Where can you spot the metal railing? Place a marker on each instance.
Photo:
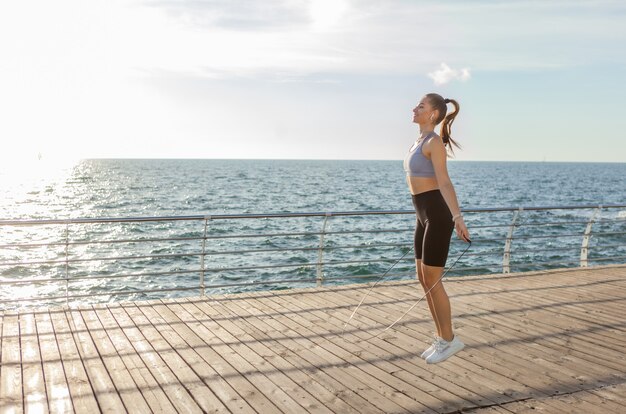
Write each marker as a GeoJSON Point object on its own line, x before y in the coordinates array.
{"type": "Point", "coordinates": [67, 261]}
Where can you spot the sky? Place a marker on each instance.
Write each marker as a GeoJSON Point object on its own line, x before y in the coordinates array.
{"type": "Point", "coordinates": [310, 79]}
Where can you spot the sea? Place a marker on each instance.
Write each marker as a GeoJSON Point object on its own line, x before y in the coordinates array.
{"type": "Point", "coordinates": [109, 260]}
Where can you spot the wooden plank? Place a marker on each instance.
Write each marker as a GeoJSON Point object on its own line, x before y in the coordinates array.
{"type": "Point", "coordinates": [559, 382]}
{"type": "Point", "coordinates": [81, 393]}
{"type": "Point", "coordinates": [580, 302]}
{"type": "Point", "coordinates": [402, 356]}
{"type": "Point", "coordinates": [578, 281]}
{"type": "Point", "coordinates": [495, 306]}
{"type": "Point", "coordinates": [609, 327]}
{"type": "Point", "coordinates": [518, 407]}
{"type": "Point", "coordinates": [548, 297]}
{"type": "Point", "coordinates": [35, 399]}
{"type": "Point", "coordinates": [380, 394]}
{"type": "Point", "coordinates": [188, 345]}
{"type": "Point", "coordinates": [215, 349]}
{"type": "Point", "coordinates": [539, 361]}
{"type": "Point", "coordinates": [288, 339]}
{"type": "Point", "coordinates": [481, 369]}
{"type": "Point", "coordinates": [201, 397]}
{"type": "Point", "coordinates": [497, 410]}
{"type": "Point", "coordinates": [265, 377]}
{"type": "Point", "coordinates": [503, 303]}
{"type": "Point", "coordinates": [573, 281]}
{"type": "Point", "coordinates": [581, 282]}
{"type": "Point", "coordinates": [603, 405]}
{"type": "Point", "coordinates": [368, 374]}
{"type": "Point", "coordinates": [573, 404]}
{"type": "Point", "coordinates": [552, 301]}
{"type": "Point", "coordinates": [615, 393]}
{"type": "Point", "coordinates": [508, 322]}
{"type": "Point", "coordinates": [550, 404]}
{"type": "Point", "coordinates": [510, 294]}
{"type": "Point", "coordinates": [192, 317]}
{"type": "Point", "coordinates": [616, 283]}
{"type": "Point", "coordinates": [565, 332]}
{"type": "Point", "coordinates": [11, 399]}
{"type": "Point", "coordinates": [406, 342]}
{"type": "Point", "coordinates": [104, 390]}
{"type": "Point", "coordinates": [411, 326]}
{"type": "Point", "coordinates": [508, 326]}
{"type": "Point", "coordinates": [596, 332]}
{"type": "Point", "coordinates": [588, 366]}
{"type": "Point", "coordinates": [554, 404]}
{"type": "Point", "coordinates": [59, 399]}
{"type": "Point", "coordinates": [549, 331]}
{"type": "Point", "coordinates": [169, 383]}
{"type": "Point", "coordinates": [329, 375]}
{"type": "Point", "coordinates": [143, 378]}
{"type": "Point", "coordinates": [121, 378]}
{"type": "Point", "coordinates": [511, 367]}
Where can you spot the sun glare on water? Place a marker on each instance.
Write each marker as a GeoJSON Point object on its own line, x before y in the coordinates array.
{"type": "Point", "coordinates": [28, 183]}
{"type": "Point", "coordinates": [21, 171]}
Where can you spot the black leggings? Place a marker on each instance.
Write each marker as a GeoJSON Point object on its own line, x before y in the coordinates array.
{"type": "Point", "coordinates": [433, 228]}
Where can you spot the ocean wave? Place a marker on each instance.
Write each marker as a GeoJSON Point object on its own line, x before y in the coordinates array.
{"type": "Point", "coordinates": [97, 188]}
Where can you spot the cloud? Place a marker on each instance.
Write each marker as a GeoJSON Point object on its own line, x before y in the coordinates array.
{"type": "Point", "coordinates": [239, 15]}
{"type": "Point", "coordinates": [445, 74]}
{"type": "Point", "coordinates": [298, 38]}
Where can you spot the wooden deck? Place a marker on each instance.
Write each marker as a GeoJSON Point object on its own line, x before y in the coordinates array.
{"type": "Point", "coordinates": [550, 342]}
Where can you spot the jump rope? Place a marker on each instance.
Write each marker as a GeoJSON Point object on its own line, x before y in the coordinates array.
{"type": "Point", "coordinates": [411, 308]}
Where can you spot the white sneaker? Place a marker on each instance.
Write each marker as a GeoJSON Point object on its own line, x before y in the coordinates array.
{"type": "Point", "coordinates": [444, 350]}
{"type": "Point", "coordinates": [431, 348]}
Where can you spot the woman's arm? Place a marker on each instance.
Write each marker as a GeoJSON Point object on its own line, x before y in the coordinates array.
{"type": "Point", "coordinates": [438, 157]}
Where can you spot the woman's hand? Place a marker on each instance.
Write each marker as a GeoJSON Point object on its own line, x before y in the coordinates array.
{"type": "Point", "coordinates": [461, 229]}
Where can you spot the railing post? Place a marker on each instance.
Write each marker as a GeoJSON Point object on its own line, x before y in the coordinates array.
{"type": "Point", "coordinates": [506, 260]}
{"type": "Point", "coordinates": [320, 252]}
{"type": "Point", "coordinates": [67, 264]}
{"type": "Point", "coordinates": [202, 265]}
{"type": "Point", "coordinates": [584, 250]}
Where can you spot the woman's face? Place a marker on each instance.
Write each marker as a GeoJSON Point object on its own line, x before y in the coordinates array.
{"type": "Point", "coordinates": [423, 113]}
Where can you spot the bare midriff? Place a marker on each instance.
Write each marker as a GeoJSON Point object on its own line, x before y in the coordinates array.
{"type": "Point", "coordinates": [419, 185]}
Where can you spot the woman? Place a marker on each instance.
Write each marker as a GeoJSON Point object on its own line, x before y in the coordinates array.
{"type": "Point", "coordinates": [438, 213]}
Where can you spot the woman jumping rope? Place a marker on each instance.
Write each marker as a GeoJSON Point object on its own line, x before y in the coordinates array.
{"type": "Point", "coordinates": [438, 214]}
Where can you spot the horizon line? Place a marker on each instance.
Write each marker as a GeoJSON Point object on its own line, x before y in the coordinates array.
{"type": "Point", "coordinates": [330, 159]}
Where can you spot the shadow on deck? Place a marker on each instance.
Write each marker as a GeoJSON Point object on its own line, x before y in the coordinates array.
{"type": "Point", "coordinates": [550, 341]}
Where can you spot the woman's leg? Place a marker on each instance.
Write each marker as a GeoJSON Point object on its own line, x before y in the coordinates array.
{"type": "Point", "coordinates": [438, 300]}
{"type": "Point", "coordinates": [420, 277]}
{"type": "Point", "coordinates": [438, 228]}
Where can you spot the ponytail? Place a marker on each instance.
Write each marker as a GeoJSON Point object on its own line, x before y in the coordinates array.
{"type": "Point", "coordinates": [446, 127]}
{"type": "Point", "coordinates": [439, 103]}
